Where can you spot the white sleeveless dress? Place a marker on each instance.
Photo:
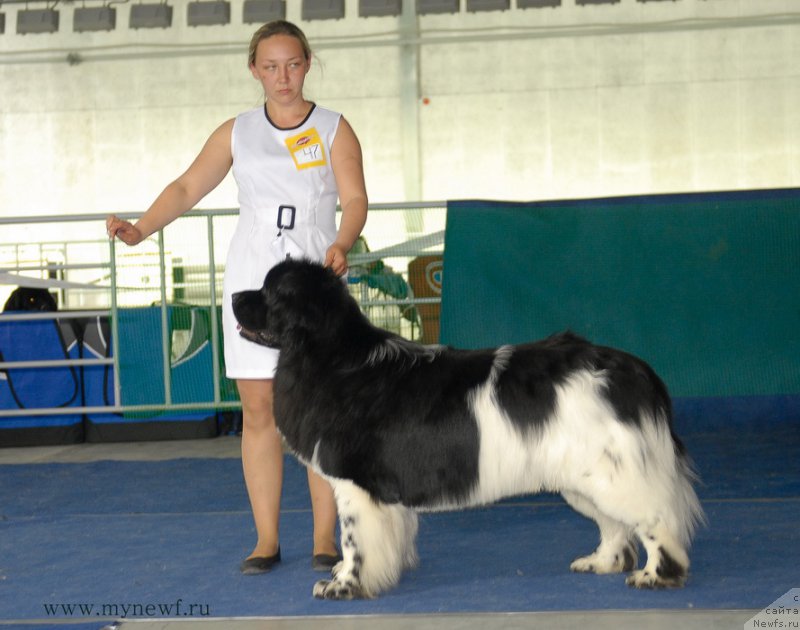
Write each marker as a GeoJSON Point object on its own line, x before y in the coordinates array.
{"type": "Point", "coordinates": [287, 206]}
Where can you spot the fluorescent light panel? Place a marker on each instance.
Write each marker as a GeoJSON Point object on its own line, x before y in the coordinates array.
{"type": "Point", "coordinates": [371, 8]}
{"type": "Point", "coordinates": [488, 5]}
{"type": "Point", "coordinates": [536, 4]}
{"type": "Point", "coordinates": [94, 19]}
{"type": "Point", "coordinates": [151, 16]}
{"type": "Point", "coordinates": [323, 9]}
{"type": "Point", "coordinates": [208, 13]}
{"type": "Point", "coordinates": [37, 21]}
{"type": "Point", "coordinates": [437, 6]}
{"type": "Point", "coordinates": [263, 11]}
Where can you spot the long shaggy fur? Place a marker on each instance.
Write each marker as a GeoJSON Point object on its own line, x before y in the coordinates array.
{"type": "Point", "coordinates": [398, 427]}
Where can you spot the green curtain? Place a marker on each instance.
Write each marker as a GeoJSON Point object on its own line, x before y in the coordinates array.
{"type": "Point", "coordinates": [705, 287]}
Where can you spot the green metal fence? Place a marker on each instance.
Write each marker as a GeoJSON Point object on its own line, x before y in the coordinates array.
{"type": "Point", "coordinates": [182, 266]}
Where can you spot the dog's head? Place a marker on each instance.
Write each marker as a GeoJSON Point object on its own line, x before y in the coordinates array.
{"type": "Point", "coordinates": [299, 302]}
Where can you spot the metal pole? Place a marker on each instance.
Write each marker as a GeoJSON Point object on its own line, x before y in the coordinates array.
{"type": "Point", "coordinates": [114, 321]}
{"type": "Point", "coordinates": [409, 102]}
{"type": "Point", "coordinates": [213, 295]}
{"type": "Point", "coordinates": [165, 340]}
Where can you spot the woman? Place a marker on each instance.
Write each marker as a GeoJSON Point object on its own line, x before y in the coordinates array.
{"type": "Point", "coordinates": [291, 160]}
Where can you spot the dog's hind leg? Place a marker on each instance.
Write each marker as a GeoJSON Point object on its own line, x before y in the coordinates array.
{"type": "Point", "coordinates": [617, 552]}
{"type": "Point", "coordinates": [378, 542]}
{"type": "Point", "coordinates": [667, 561]}
{"type": "Point", "coordinates": [636, 512]}
{"type": "Point", "coordinates": [641, 481]}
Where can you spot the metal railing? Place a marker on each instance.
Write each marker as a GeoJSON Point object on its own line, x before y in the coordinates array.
{"type": "Point", "coordinates": [96, 278]}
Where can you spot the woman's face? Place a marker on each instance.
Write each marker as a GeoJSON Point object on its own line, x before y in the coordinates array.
{"type": "Point", "coordinates": [280, 66]}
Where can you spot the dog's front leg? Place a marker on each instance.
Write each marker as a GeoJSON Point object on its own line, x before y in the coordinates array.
{"type": "Point", "coordinates": [377, 544]}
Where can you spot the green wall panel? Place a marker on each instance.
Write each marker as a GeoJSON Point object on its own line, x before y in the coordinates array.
{"type": "Point", "coordinates": [706, 287]}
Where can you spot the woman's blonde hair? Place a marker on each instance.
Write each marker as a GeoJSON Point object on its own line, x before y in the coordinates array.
{"type": "Point", "coordinates": [278, 27]}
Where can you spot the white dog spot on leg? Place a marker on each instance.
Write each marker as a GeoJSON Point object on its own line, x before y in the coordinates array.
{"type": "Point", "coordinates": [377, 541]}
{"type": "Point", "coordinates": [617, 552]}
{"type": "Point", "coordinates": [667, 562]}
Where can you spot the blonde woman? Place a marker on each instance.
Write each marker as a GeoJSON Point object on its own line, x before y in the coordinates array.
{"type": "Point", "coordinates": [291, 160]}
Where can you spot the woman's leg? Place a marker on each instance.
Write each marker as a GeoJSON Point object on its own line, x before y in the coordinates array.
{"type": "Point", "coordinates": [262, 462]}
{"type": "Point", "coordinates": [323, 506]}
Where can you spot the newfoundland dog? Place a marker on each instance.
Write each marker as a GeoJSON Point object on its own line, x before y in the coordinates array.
{"type": "Point", "coordinates": [397, 427]}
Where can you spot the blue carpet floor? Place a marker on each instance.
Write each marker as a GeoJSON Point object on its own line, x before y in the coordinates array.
{"type": "Point", "coordinates": [170, 535]}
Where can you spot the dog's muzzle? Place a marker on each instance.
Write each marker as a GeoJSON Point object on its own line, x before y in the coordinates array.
{"type": "Point", "coordinates": [258, 336]}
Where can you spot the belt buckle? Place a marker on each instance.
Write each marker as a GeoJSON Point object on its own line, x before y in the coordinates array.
{"type": "Point", "coordinates": [282, 223]}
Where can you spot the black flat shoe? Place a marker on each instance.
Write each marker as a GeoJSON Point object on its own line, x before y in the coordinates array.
{"type": "Point", "coordinates": [260, 564]}
{"type": "Point", "coordinates": [324, 561]}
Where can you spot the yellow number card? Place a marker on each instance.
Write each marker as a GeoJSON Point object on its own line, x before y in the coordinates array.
{"type": "Point", "coordinates": [306, 149]}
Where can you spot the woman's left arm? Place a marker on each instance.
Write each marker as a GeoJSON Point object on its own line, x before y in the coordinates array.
{"type": "Point", "coordinates": [348, 169]}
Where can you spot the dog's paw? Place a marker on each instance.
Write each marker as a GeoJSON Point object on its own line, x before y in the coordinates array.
{"type": "Point", "coordinates": [645, 578]}
{"type": "Point", "coordinates": [587, 564]}
{"type": "Point", "coordinates": [338, 589]}
{"type": "Point", "coordinates": [602, 564]}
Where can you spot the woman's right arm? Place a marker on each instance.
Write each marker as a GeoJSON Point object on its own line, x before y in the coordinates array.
{"type": "Point", "coordinates": [206, 172]}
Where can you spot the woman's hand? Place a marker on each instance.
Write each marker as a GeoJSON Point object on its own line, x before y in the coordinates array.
{"type": "Point", "coordinates": [123, 230]}
{"type": "Point", "coordinates": [336, 259]}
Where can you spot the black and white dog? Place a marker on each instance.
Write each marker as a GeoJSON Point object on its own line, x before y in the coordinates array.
{"type": "Point", "coordinates": [397, 427]}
